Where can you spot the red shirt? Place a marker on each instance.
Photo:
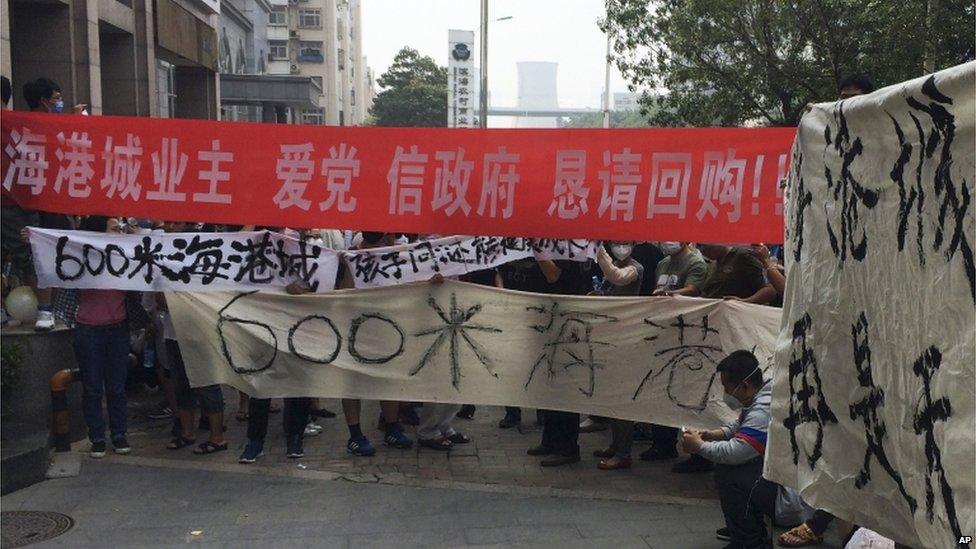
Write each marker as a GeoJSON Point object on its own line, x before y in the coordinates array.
{"type": "Point", "coordinates": [101, 307]}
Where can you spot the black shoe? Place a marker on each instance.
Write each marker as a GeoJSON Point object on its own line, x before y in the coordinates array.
{"type": "Point", "coordinates": [509, 421]}
{"type": "Point", "coordinates": [467, 412]}
{"type": "Point", "coordinates": [295, 448]}
{"type": "Point", "coordinates": [694, 464]}
{"type": "Point", "coordinates": [656, 454]}
{"type": "Point", "coordinates": [121, 446]}
{"type": "Point", "coordinates": [97, 449]}
{"type": "Point", "coordinates": [458, 438]}
{"type": "Point", "coordinates": [556, 461]}
{"type": "Point", "coordinates": [539, 451]}
{"type": "Point", "coordinates": [724, 534]}
{"type": "Point", "coordinates": [324, 414]}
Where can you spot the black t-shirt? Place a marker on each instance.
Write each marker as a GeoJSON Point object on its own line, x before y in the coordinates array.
{"type": "Point", "coordinates": [525, 275]}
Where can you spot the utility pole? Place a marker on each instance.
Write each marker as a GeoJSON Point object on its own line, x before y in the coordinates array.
{"type": "Point", "coordinates": [483, 69]}
{"type": "Point", "coordinates": [606, 87]}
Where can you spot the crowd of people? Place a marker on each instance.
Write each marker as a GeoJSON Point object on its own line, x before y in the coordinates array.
{"type": "Point", "coordinates": [107, 322]}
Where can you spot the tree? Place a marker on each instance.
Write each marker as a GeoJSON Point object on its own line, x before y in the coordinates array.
{"type": "Point", "coordinates": [414, 92]}
{"type": "Point", "coordinates": [618, 119]}
{"type": "Point", "coordinates": [727, 62]}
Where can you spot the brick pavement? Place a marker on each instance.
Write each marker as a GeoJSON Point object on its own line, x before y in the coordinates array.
{"type": "Point", "coordinates": [495, 458]}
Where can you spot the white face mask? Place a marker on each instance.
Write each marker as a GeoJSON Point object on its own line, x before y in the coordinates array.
{"type": "Point", "coordinates": [621, 251]}
{"type": "Point", "coordinates": [732, 401]}
{"type": "Point", "coordinates": [670, 248]}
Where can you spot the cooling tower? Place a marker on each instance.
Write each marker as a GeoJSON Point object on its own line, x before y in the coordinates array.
{"type": "Point", "coordinates": [537, 91]}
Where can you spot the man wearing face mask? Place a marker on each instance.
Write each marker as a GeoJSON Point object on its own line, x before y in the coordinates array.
{"type": "Point", "coordinates": [738, 448]}
{"type": "Point", "coordinates": [44, 95]}
{"type": "Point", "coordinates": [683, 272]}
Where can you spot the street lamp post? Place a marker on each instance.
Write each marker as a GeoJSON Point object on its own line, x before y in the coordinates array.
{"type": "Point", "coordinates": [483, 80]}
{"type": "Point", "coordinates": [606, 87]}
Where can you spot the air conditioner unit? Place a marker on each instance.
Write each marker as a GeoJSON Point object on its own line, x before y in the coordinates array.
{"type": "Point", "coordinates": [293, 34]}
{"type": "Point", "coordinates": [295, 69]}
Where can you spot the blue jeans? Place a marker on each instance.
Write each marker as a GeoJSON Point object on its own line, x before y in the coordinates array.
{"type": "Point", "coordinates": [103, 357]}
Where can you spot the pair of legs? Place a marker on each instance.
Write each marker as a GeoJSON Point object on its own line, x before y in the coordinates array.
{"type": "Point", "coordinates": [103, 354]}
{"type": "Point", "coordinates": [746, 498]}
{"type": "Point", "coordinates": [622, 440]}
{"type": "Point", "coordinates": [560, 438]}
{"type": "Point", "coordinates": [435, 421]}
{"type": "Point", "coordinates": [211, 403]}
{"type": "Point", "coordinates": [293, 420]}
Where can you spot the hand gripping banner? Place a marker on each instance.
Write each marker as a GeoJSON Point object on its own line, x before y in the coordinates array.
{"type": "Point", "coordinates": [689, 184]}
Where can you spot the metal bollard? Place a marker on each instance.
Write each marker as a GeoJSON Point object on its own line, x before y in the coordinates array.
{"type": "Point", "coordinates": [60, 425]}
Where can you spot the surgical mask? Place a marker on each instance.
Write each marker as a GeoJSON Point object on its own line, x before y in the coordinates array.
{"type": "Point", "coordinates": [621, 251]}
{"type": "Point", "coordinates": [670, 248]}
{"type": "Point", "coordinates": [58, 105]}
{"type": "Point", "coordinates": [733, 402]}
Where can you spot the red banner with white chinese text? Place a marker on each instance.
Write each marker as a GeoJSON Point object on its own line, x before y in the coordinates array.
{"type": "Point", "coordinates": [687, 184]}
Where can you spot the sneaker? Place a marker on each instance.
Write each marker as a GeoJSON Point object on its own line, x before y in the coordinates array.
{"type": "Point", "coordinates": [121, 446]}
{"type": "Point", "coordinates": [396, 439]}
{"type": "Point", "coordinates": [312, 429]}
{"type": "Point", "coordinates": [656, 454]}
{"type": "Point", "coordinates": [251, 453]}
{"type": "Point", "coordinates": [360, 446]}
{"type": "Point", "coordinates": [724, 534]}
{"type": "Point", "coordinates": [694, 464]}
{"type": "Point", "coordinates": [97, 449]}
{"type": "Point", "coordinates": [45, 321]}
{"type": "Point", "coordinates": [162, 413]}
{"type": "Point", "coordinates": [509, 421]}
{"type": "Point", "coordinates": [590, 426]}
{"type": "Point", "coordinates": [295, 449]}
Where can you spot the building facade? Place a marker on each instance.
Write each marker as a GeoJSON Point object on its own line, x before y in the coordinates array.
{"type": "Point", "coordinates": [123, 57]}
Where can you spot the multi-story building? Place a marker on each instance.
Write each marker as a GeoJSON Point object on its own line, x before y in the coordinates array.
{"type": "Point", "coordinates": [126, 57]}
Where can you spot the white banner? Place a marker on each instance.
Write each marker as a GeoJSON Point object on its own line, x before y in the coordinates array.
{"type": "Point", "coordinates": [873, 408]}
{"type": "Point", "coordinates": [640, 358]}
{"type": "Point", "coordinates": [453, 256]}
{"type": "Point", "coordinates": [179, 261]}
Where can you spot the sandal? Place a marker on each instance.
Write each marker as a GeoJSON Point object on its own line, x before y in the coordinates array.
{"type": "Point", "coordinates": [441, 444]}
{"type": "Point", "coordinates": [209, 448]}
{"type": "Point", "coordinates": [800, 536]}
{"type": "Point", "coordinates": [180, 442]}
{"type": "Point", "coordinates": [241, 416]}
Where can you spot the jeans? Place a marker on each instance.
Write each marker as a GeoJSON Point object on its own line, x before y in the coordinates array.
{"type": "Point", "coordinates": [210, 396]}
{"type": "Point", "coordinates": [294, 418]}
{"type": "Point", "coordinates": [623, 437]}
{"type": "Point", "coordinates": [745, 498]}
{"type": "Point", "coordinates": [435, 420]}
{"type": "Point", "coordinates": [560, 432]}
{"type": "Point", "coordinates": [103, 357]}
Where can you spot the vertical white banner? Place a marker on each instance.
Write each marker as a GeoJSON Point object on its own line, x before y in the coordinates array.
{"type": "Point", "coordinates": [462, 86]}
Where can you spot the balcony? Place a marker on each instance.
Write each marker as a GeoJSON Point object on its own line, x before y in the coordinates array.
{"type": "Point", "coordinates": [277, 32]}
{"type": "Point", "coordinates": [311, 57]}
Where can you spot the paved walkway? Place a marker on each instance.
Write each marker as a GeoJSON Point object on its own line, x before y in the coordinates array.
{"type": "Point", "coordinates": [496, 457]}
{"type": "Point", "coordinates": [115, 504]}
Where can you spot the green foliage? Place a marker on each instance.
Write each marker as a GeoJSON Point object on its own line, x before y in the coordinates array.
{"type": "Point", "coordinates": [726, 62]}
{"type": "Point", "coordinates": [11, 360]}
{"type": "Point", "coordinates": [618, 119]}
{"type": "Point", "coordinates": [414, 92]}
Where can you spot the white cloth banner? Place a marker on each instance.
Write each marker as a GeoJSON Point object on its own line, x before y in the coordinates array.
{"type": "Point", "coordinates": [453, 256]}
{"type": "Point", "coordinates": [179, 261]}
{"type": "Point", "coordinates": [873, 407]}
{"type": "Point", "coordinates": [640, 358]}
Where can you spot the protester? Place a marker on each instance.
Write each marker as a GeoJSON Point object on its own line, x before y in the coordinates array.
{"type": "Point", "coordinates": [625, 275]}
{"type": "Point", "coordinates": [102, 350]}
{"type": "Point", "coordinates": [854, 84]}
{"type": "Point", "coordinates": [648, 254]}
{"type": "Point", "coordinates": [738, 449]}
{"type": "Point", "coordinates": [682, 273]}
{"type": "Point", "coordinates": [560, 429]}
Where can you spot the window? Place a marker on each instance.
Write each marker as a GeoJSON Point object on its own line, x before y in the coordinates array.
{"type": "Point", "coordinates": [278, 49]}
{"type": "Point", "coordinates": [312, 116]}
{"type": "Point", "coordinates": [310, 52]}
{"type": "Point", "coordinates": [342, 59]}
{"type": "Point", "coordinates": [310, 18]}
{"type": "Point", "coordinates": [165, 89]}
{"type": "Point", "coordinates": [278, 16]}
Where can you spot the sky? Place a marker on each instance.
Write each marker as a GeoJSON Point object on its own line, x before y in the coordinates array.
{"type": "Point", "coordinates": [563, 31]}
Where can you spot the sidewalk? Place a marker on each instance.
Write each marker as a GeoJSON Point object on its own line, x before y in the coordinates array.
{"type": "Point", "coordinates": [495, 457]}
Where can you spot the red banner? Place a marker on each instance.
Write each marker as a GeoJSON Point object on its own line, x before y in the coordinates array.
{"type": "Point", "coordinates": [688, 184]}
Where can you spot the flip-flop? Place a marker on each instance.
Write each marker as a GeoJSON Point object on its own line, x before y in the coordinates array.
{"type": "Point", "coordinates": [209, 448]}
{"type": "Point", "coordinates": [180, 442]}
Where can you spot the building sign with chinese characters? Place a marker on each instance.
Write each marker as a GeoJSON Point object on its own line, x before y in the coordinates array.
{"type": "Point", "coordinates": [640, 358]}
{"type": "Point", "coordinates": [462, 83]}
{"type": "Point", "coordinates": [873, 412]}
{"type": "Point", "coordinates": [689, 184]}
